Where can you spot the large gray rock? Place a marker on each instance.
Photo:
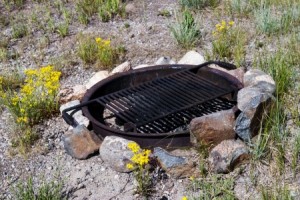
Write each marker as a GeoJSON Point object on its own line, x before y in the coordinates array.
{"type": "Point", "coordinates": [253, 103]}
{"type": "Point", "coordinates": [124, 67]}
{"type": "Point", "coordinates": [260, 79]}
{"type": "Point", "coordinates": [78, 116]}
{"type": "Point", "coordinates": [251, 97]}
{"type": "Point", "coordinates": [165, 61]}
{"type": "Point", "coordinates": [213, 128]}
{"type": "Point", "coordinates": [176, 166]}
{"type": "Point", "coordinates": [81, 143]}
{"type": "Point", "coordinates": [114, 152]}
{"type": "Point", "coordinates": [99, 76]}
{"type": "Point", "coordinates": [192, 58]}
{"type": "Point", "coordinates": [227, 155]}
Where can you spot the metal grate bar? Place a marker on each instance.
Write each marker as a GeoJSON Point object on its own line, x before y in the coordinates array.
{"type": "Point", "coordinates": [165, 103]}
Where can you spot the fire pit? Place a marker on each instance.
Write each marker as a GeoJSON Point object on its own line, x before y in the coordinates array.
{"type": "Point", "coordinates": [153, 106]}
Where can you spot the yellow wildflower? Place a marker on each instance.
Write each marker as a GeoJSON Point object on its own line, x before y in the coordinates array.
{"type": "Point", "coordinates": [184, 198]}
{"type": "Point", "coordinates": [129, 166]}
{"type": "Point", "coordinates": [231, 23]}
{"type": "Point", "coordinates": [98, 40]}
{"type": "Point", "coordinates": [223, 23]}
{"type": "Point", "coordinates": [192, 178]}
{"type": "Point", "coordinates": [106, 42]}
{"type": "Point", "coordinates": [134, 147]}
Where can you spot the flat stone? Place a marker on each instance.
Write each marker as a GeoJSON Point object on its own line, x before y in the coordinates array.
{"type": "Point", "coordinates": [213, 128]}
{"type": "Point", "coordinates": [124, 67]}
{"type": "Point", "coordinates": [99, 76]}
{"type": "Point", "coordinates": [80, 143]}
{"type": "Point", "coordinates": [258, 78]}
{"type": "Point", "coordinates": [115, 153]}
{"type": "Point", "coordinates": [192, 58]}
{"type": "Point", "coordinates": [78, 116]}
{"type": "Point", "coordinates": [227, 155]}
{"type": "Point", "coordinates": [165, 61]}
{"type": "Point", "coordinates": [175, 166]}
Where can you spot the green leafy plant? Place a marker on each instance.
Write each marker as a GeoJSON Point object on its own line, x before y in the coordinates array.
{"type": "Point", "coordinates": [185, 31]}
{"type": "Point", "coordinates": [138, 164]}
{"type": "Point", "coordinates": [229, 43]}
{"type": "Point", "coordinates": [199, 4]}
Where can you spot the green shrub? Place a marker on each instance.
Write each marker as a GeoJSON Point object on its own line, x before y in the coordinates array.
{"type": "Point", "coordinates": [186, 31]}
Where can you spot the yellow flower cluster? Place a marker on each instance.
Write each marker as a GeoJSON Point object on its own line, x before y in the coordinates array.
{"type": "Point", "coordinates": [140, 156]}
{"type": "Point", "coordinates": [37, 97]}
{"type": "Point", "coordinates": [102, 43]}
{"type": "Point", "coordinates": [222, 27]}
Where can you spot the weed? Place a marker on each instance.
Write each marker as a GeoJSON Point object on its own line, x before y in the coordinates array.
{"type": "Point", "coordinates": [270, 22]}
{"type": "Point", "coordinates": [214, 187]}
{"type": "Point", "coordinates": [295, 154]}
{"type": "Point", "coordinates": [199, 4]}
{"type": "Point", "coordinates": [87, 50]}
{"type": "Point", "coordinates": [110, 8]}
{"type": "Point", "coordinates": [3, 54]}
{"type": "Point", "coordinates": [46, 190]}
{"type": "Point", "coordinates": [242, 7]}
{"type": "Point", "coordinates": [11, 80]}
{"type": "Point", "coordinates": [164, 13]}
{"type": "Point", "coordinates": [63, 29]}
{"type": "Point", "coordinates": [229, 43]}
{"type": "Point", "coordinates": [279, 193]}
{"type": "Point", "coordinates": [86, 9]}
{"type": "Point", "coordinates": [97, 51]}
{"type": "Point", "coordinates": [185, 31]}
{"type": "Point", "coordinates": [138, 164]}
{"type": "Point", "coordinates": [19, 30]}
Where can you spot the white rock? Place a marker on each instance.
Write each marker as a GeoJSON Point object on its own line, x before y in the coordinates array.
{"type": "Point", "coordinates": [126, 66]}
{"type": "Point", "coordinates": [192, 58]}
{"type": "Point", "coordinates": [114, 151]}
{"type": "Point", "coordinates": [165, 61]}
{"type": "Point", "coordinates": [78, 116]}
{"type": "Point", "coordinates": [140, 66]}
{"type": "Point", "coordinates": [99, 76]}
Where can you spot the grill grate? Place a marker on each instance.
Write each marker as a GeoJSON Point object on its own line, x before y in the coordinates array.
{"type": "Point", "coordinates": [167, 103]}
